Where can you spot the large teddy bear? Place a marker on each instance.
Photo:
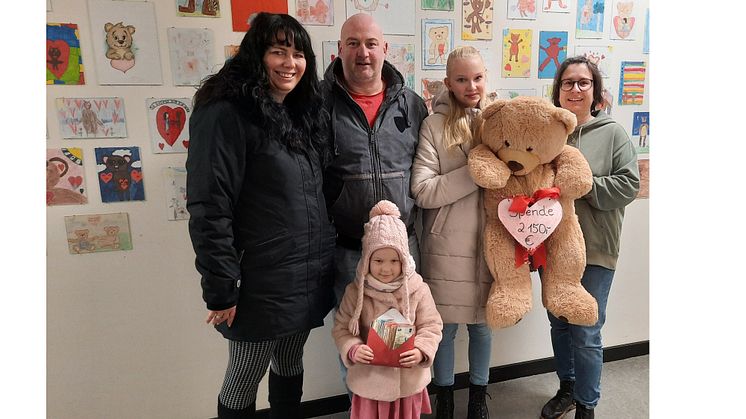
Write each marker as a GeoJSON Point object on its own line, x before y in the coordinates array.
{"type": "Point", "coordinates": [522, 156]}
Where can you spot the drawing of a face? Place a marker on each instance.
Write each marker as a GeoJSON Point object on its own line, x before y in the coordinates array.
{"type": "Point", "coordinates": [439, 33]}
{"type": "Point", "coordinates": [285, 66]}
{"type": "Point", "coordinates": [120, 36]}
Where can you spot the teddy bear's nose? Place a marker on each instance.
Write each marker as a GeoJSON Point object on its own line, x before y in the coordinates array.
{"type": "Point", "coordinates": [514, 166]}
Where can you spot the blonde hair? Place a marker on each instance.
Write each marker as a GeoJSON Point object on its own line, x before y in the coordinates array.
{"type": "Point", "coordinates": [457, 129]}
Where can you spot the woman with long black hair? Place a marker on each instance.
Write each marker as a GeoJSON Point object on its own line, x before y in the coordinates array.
{"type": "Point", "coordinates": [259, 226]}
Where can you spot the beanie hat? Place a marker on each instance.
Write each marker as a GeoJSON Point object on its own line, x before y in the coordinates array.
{"type": "Point", "coordinates": [384, 229]}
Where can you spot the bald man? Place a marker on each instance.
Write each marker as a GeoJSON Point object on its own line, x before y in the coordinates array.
{"type": "Point", "coordinates": [374, 134]}
{"type": "Point", "coordinates": [374, 130]}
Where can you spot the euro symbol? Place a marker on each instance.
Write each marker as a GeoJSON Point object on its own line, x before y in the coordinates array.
{"type": "Point", "coordinates": [529, 242]}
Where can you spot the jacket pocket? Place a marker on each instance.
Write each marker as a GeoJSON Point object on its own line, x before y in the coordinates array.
{"type": "Point", "coordinates": [267, 252]}
{"type": "Point", "coordinates": [396, 190]}
{"type": "Point", "coordinates": [440, 219]}
{"type": "Point", "coordinates": [350, 210]}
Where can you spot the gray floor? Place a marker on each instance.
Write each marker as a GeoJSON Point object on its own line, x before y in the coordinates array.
{"type": "Point", "coordinates": [624, 394]}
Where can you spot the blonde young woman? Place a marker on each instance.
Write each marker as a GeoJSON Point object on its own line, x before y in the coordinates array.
{"type": "Point", "coordinates": [451, 251]}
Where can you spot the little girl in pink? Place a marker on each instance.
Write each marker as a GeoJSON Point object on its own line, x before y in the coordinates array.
{"type": "Point", "coordinates": [386, 279]}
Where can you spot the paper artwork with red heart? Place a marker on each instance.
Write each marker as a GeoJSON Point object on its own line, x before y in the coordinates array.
{"type": "Point", "coordinates": [65, 176]}
{"type": "Point", "coordinates": [120, 174]}
{"type": "Point", "coordinates": [532, 227]}
{"type": "Point", "coordinates": [623, 19]}
{"type": "Point", "coordinates": [58, 52]}
{"type": "Point", "coordinates": [170, 121]}
{"type": "Point", "coordinates": [169, 124]}
{"type": "Point", "coordinates": [63, 59]}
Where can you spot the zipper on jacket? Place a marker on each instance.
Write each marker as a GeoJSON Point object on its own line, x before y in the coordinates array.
{"type": "Point", "coordinates": [375, 161]}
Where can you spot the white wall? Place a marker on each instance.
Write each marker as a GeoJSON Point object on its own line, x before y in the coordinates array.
{"type": "Point", "coordinates": [125, 331]}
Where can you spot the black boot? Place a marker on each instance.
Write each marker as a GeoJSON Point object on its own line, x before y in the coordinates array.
{"type": "Point", "coordinates": [561, 403]}
{"type": "Point", "coordinates": [443, 402]}
{"type": "Point", "coordinates": [284, 396]}
{"type": "Point", "coordinates": [228, 413]}
{"type": "Point", "coordinates": [582, 412]}
{"type": "Point", "coordinates": [477, 404]}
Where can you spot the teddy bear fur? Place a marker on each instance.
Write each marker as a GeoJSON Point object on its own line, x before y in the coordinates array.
{"type": "Point", "coordinates": [522, 149]}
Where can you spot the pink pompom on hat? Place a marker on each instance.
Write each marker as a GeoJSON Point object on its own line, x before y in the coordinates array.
{"type": "Point", "coordinates": [384, 229]}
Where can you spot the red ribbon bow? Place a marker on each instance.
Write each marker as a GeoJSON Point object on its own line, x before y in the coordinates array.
{"type": "Point", "coordinates": [519, 205]}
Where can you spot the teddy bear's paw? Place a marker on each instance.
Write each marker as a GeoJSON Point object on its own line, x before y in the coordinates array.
{"type": "Point", "coordinates": [505, 310]}
{"type": "Point", "coordinates": [572, 304]}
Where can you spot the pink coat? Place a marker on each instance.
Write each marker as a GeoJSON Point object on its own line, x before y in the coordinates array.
{"type": "Point", "coordinates": [388, 383]}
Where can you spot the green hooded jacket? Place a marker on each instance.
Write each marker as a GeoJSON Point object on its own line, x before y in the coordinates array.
{"type": "Point", "coordinates": [616, 181]}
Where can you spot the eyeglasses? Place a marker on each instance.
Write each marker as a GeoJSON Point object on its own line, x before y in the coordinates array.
{"type": "Point", "coordinates": [583, 84]}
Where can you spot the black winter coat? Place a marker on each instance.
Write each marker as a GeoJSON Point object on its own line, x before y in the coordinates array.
{"type": "Point", "coordinates": [258, 225]}
{"type": "Point", "coordinates": [370, 163]}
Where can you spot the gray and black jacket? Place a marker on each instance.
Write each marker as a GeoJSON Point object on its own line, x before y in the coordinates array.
{"type": "Point", "coordinates": [369, 163]}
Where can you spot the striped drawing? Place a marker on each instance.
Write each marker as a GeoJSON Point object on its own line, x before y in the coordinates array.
{"type": "Point", "coordinates": [632, 83]}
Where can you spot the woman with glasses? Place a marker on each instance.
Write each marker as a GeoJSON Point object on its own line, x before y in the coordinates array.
{"type": "Point", "coordinates": [578, 350]}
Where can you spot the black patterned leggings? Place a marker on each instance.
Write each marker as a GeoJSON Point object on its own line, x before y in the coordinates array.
{"type": "Point", "coordinates": [249, 360]}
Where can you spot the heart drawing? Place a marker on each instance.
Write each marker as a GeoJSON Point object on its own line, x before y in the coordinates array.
{"type": "Point", "coordinates": [122, 65]}
{"type": "Point", "coordinates": [58, 53]}
{"type": "Point", "coordinates": [533, 226]}
{"type": "Point", "coordinates": [623, 25]}
{"type": "Point", "coordinates": [75, 181]}
{"type": "Point", "coordinates": [170, 122]}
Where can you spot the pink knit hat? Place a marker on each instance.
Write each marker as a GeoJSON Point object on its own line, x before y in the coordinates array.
{"type": "Point", "coordinates": [384, 229]}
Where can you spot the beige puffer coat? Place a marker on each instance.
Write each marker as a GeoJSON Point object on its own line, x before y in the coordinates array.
{"type": "Point", "coordinates": [452, 262]}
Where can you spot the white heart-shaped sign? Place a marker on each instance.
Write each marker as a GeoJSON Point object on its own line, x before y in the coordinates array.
{"type": "Point", "coordinates": [532, 227]}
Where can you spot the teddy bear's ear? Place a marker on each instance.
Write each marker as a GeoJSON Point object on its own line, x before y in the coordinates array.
{"type": "Point", "coordinates": [494, 107]}
{"type": "Point", "coordinates": [567, 118]}
{"type": "Point", "coordinates": [108, 26]}
{"type": "Point", "coordinates": [130, 29]}
{"type": "Point", "coordinates": [488, 112]}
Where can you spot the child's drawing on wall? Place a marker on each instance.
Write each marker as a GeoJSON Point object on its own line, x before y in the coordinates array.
{"type": "Point", "coordinates": [198, 8]}
{"type": "Point", "coordinates": [120, 175]}
{"type": "Point", "coordinates": [446, 5]}
{"type": "Point", "coordinates": [95, 233]}
{"type": "Point", "coordinates": [477, 20]}
{"type": "Point", "coordinates": [556, 6]}
{"type": "Point", "coordinates": [65, 177]}
{"type": "Point", "coordinates": [516, 53]}
{"type": "Point", "coordinates": [395, 17]}
{"type": "Point", "coordinates": [175, 182]}
{"type": "Point", "coordinates": [315, 12]}
{"type": "Point", "coordinates": [589, 22]}
{"type": "Point", "coordinates": [624, 16]}
{"type": "Point", "coordinates": [93, 117]}
{"type": "Point", "coordinates": [401, 56]}
{"type": "Point", "coordinates": [522, 9]}
{"type": "Point", "coordinates": [437, 42]}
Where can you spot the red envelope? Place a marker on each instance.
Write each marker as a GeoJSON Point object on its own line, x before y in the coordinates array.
{"type": "Point", "coordinates": [382, 354]}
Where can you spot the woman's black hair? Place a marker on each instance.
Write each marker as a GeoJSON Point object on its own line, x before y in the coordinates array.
{"type": "Point", "coordinates": [244, 80]}
{"type": "Point", "coordinates": [598, 83]}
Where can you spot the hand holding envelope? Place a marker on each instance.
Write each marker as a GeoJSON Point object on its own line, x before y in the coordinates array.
{"type": "Point", "coordinates": [390, 336]}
